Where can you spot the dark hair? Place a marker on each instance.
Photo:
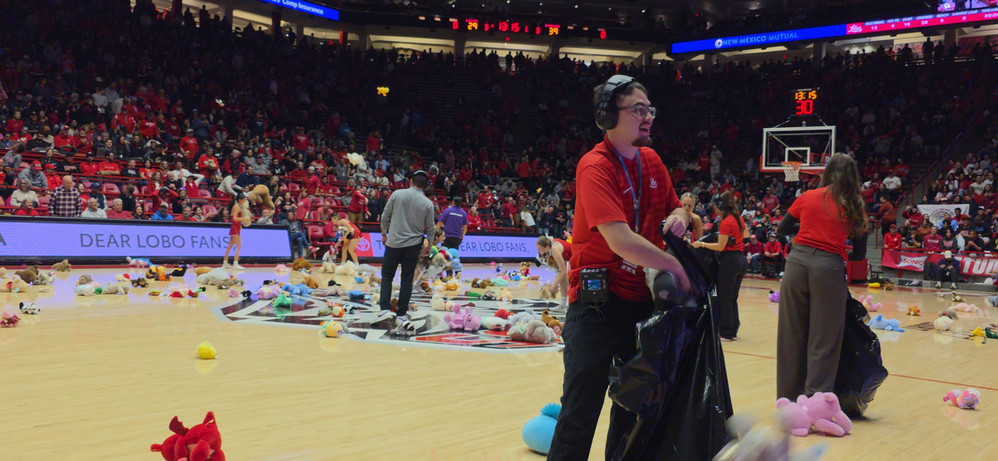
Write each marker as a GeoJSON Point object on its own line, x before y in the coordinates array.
{"type": "Point", "coordinates": [841, 176]}
{"type": "Point", "coordinates": [458, 200]}
{"type": "Point", "coordinates": [420, 181]}
{"type": "Point", "coordinates": [725, 203]}
{"type": "Point", "coordinates": [621, 93]}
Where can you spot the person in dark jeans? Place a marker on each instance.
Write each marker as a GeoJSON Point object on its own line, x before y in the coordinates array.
{"type": "Point", "coordinates": [947, 269]}
{"type": "Point", "coordinates": [624, 242]}
{"type": "Point", "coordinates": [405, 223]}
{"type": "Point", "coordinates": [732, 262]}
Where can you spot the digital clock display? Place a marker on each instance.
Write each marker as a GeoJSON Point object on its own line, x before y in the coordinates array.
{"type": "Point", "coordinates": [804, 101]}
{"type": "Point", "coordinates": [506, 27]}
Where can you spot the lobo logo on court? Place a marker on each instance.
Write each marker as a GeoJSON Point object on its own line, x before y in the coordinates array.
{"type": "Point", "coordinates": [362, 322]}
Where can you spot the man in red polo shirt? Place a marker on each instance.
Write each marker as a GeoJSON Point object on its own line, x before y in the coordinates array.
{"type": "Point", "coordinates": [624, 195]}
{"type": "Point", "coordinates": [892, 239]}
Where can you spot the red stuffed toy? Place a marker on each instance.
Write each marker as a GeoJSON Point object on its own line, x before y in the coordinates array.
{"type": "Point", "coordinates": [199, 443]}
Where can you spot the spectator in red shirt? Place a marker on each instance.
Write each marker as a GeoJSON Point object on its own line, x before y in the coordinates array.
{"type": "Point", "coordinates": [357, 211]}
{"type": "Point", "coordinates": [474, 219]}
{"type": "Point", "coordinates": [300, 141]}
{"type": "Point", "coordinates": [311, 183]}
{"type": "Point", "coordinates": [753, 253]}
{"type": "Point", "coordinates": [53, 178]}
{"type": "Point", "coordinates": [117, 210]}
{"type": "Point", "coordinates": [772, 257]}
{"type": "Point", "coordinates": [931, 242]}
{"type": "Point", "coordinates": [185, 215]}
{"type": "Point", "coordinates": [325, 187]}
{"type": "Point", "coordinates": [124, 120]}
{"type": "Point", "coordinates": [148, 127]}
{"type": "Point", "coordinates": [27, 209]}
{"type": "Point", "coordinates": [14, 124]}
{"type": "Point", "coordinates": [109, 166]}
{"type": "Point", "coordinates": [189, 145]}
{"type": "Point", "coordinates": [63, 139]}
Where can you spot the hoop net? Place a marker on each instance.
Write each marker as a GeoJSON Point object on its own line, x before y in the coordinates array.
{"type": "Point", "coordinates": [792, 170]}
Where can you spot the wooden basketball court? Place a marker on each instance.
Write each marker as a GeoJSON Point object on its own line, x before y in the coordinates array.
{"type": "Point", "coordinates": [101, 377]}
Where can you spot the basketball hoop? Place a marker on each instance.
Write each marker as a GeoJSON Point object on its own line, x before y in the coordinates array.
{"type": "Point", "coordinates": [792, 170]}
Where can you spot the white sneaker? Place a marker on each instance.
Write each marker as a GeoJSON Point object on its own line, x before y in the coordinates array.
{"type": "Point", "coordinates": [238, 267]}
{"type": "Point", "coordinates": [939, 284]}
{"type": "Point", "coordinates": [952, 286]}
{"type": "Point", "coordinates": [225, 264]}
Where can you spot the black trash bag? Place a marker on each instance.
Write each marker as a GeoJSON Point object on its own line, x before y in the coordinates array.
{"type": "Point", "coordinates": [676, 384]}
{"type": "Point", "coordinates": [861, 368]}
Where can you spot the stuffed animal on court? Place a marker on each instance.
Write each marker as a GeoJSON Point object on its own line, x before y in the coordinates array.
{"type": "Point", "coordinates": [117, 288]}
{"type": "Point", "coordinates": [476, 283]}
{"type": "Point", "coordinates": [819, 413]}
{"type": "Point", "coordinates": [301, 264]}
{"type": "Point", "coordinates": [503, 314]}
{"type": "Point", "coordinates": [138, 262]}
{"type": "Point", "coordinates": [205, 351]}
{"type": "Point", "coordinates": [139, 282]}
{"type": "Point", "coordinates": [505, 295]}
{"type": "Point", "coordinates": [28, 274]}
{"type": "Point", "coordinates": [297, 290]}
{"type": "Point", "coordinates": [282, 302]}
{"type": "Point", "coordinates": [882, 323]}
{"type": "Point", "coordinates": [774, 296]}
{"type": "Point", "coordinates": [500, 282]}
{"type": "Point", "coordinates": [750, 441]}
{"type": "Point", "coordinates": [85, 289]}
{"type": "Point", "coordinates": [977, 332]}
{"type": "Point", "coordinates": [867, 302]}
{"type": "Point", "coordinates": [29, 308]}
{"type": "Point", "coordinates": [943, 323]}
{"type": "Point", "coordinates": [452, 285]}
{"type": "Point", "coordinates": [229, 282]}
{"type": "Point", "coordinates": [551, 322]}
{"type": "Point", "coordinates": [539, 431]}
{"type": "Point", "coordinates": [202, 442]}
{"type": "Point", "coordinates": [202, 270]}
{"type": "Point", "coordinates": [328, 267]}
{"type": "Point", "coordinates": [547, 291]}
{"type": "Point", "coordinates": [336, 309]}
{"type": "Point", "coordinates": [62, 266]}
{"type": "Point", "coordinates": [914, 310]}
{"type": "Point", "coordinates": [964, 307]}
{"type": "Point", "coordinates": [212, 276]}
{"type": "Point", "coordinates": [9, 319]}
{"type": "Point", "coordinates": [462, 320]}
{"type": "Point", "coordinates": [533, 331]}
{"type": "Point", "coordinates": [281, 269]}
{"type": "Point", "coordinates": [495, 323]}
{"type": "Point", "coordinates": [437, 302]}
{"type": "Point", "coordinates": [455, 260]}
{"type": "Point", "coordinates": [331, 329]}
{"type": "Point", "coordinates": [966, 400]}
{"type": "Point", "coordinates": [956, 297]}
{"type": "Point", "coordinates": [268, 292]}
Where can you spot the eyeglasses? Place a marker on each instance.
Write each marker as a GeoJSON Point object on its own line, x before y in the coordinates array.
{"type": "Point", "coordinates": [641, 110]}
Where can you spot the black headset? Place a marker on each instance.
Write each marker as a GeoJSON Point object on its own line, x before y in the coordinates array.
{"type": "Point", "coordinates": [606, 108]}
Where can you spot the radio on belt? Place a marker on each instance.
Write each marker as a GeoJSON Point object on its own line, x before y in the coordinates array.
{"type": "Point", "coordinates": [594, 285]}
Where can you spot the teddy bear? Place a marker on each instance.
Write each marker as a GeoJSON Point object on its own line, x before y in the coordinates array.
{"type": "Point", "coordinates": [547, 291]}
{"type": "Point", "coordinates": [483, 284]}
{"type": "Point", "coordinates": [85, 289]}
{"type": "Point", "coordinates": [301, 264]}
{"type": "Point", "coordinates": [523, 317]}
{"type": "Point", "coordinates": [199, 443]}
{"type": "Point", "coordinates": [819, 413]}
{"type": "Point", "coordinates": [29, 274]}
{"type": "Point", "coordinates": [348, 269]}
{"type": "Point", "coordinates": [966, 400]}
{"type": "Point", "coordinates": [117, 288]}
{"type": "Point", "coordinates": [437, 302]}
{"type": "Point", "coordinates": [533, 331]}
{"type": "Point", "coordinates": [212, 276]}
{"type": "Point", "coordinates": [505, 295]}
{"type": "Point", "coordinates": [231, 281]}
{"type": "Point", "coordinates": [551, 322]}
{"type": "Point", "coordinates": [260, 195]}
{"type": "Point", "coordinates": [44, 278]}
{"type": "Point", "coordinates": [328, 267]}
{"type": "Point", "coordinates": [301, 278]}
{"type": "Point", "coordinates": [62, 266]}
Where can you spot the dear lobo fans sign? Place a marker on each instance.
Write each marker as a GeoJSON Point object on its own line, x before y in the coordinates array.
{"type": "Point", "coordinates": [971, 265]}
{"type": "Point", "coordinates": [482, 247]}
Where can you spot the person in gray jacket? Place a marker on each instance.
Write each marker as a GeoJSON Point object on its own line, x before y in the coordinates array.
{"type": "Point", "coordinates": [405, 223]}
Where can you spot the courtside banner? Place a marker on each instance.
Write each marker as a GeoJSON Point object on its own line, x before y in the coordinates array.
{"type": "Point", "coordinates": [984, 265]}
{"type": "Point", "coordinates": [29, 239]}
{"type": "Point", "coordinates": [473, 247]}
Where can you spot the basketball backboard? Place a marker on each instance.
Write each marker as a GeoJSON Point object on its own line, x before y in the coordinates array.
{"type": "Point", "coordinates": [810, 145]}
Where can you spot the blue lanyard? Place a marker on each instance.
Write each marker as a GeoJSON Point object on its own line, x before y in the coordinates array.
{"type": "Point", "coordinates": [636, 196]}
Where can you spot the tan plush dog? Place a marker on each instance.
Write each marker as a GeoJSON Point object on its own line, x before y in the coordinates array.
{"type": "Point", "coordinates": [300, 264]}
{"type": "Point", "coordinates": [62, 266]}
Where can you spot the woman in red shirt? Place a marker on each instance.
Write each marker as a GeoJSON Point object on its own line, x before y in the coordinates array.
{"type": "Point", "coordinates": [813, 291]}
{"type": "Point", "coordinates": [731, 243]}
{"type": "Point", "coordinates": [349, 241]}
{"type": "Point", "coordinates": [556, 253]}
{"type": "Point", "coordinates": [474, 220]}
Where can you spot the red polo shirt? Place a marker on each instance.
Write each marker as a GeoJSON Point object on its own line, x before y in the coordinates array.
{"type": "Point", "coordinates": [604, 195]}
{"type": "Point", "coordinates": [822, 224]}
{"type": "Point", "coordinates": [732, 226]}
{"type": "Point", "coordinates": [892, 240]}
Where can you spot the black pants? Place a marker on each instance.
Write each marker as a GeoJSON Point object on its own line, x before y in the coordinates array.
{"type": "Point", "coordinates": [408, 257]}
{"type": "Point", "coordinates": [453, 242]}
{"type": "Point", "coordinates": [593, 338]}
{"type": "Point", "coordinates": [934, 272]}
{"type": "Point", "coordinates": [729, 283]}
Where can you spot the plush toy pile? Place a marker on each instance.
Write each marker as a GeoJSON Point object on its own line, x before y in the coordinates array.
{"type": "Point", "coordinates": [202, 442]}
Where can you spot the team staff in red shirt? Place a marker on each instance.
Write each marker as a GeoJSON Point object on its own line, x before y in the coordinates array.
{"type": "Point", "coordinates": [731, 243]}
{"type": "Point", "coordinates": [813, 291]}
{"type": "Point", "coordinates": [773, 257]}
{"type": "Point", "coordinates": [892, 239]}
{"type": "Point", "coordinates": [624, 194]}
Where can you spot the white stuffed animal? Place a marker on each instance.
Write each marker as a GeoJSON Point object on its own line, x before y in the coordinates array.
{"type": "Point", "coordinates": [85, 289]}
{"type": "Point", "coordinates": [212, 277]}
{"type": "Point", "coordinates": [495, 323]}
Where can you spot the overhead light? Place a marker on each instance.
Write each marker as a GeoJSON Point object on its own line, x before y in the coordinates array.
{"type": "Point", "coordinates": [642, 11]}
{"type": "Point", "coordinates": [576, 6]}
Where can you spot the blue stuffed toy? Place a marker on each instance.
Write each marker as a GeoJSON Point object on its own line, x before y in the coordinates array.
{"type": "Point", "coordinates": [297, 290]}
{"type": "Point", "coordinates": [455, 261]}
{"type": "Point", "coordinates": [356, 295]}
{"type": "Point", "coordinates": [881, 323]}
{"type": "Point", "coordinates": [539, 431]}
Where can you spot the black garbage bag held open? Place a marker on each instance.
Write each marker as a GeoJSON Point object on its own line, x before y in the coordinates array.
{"type": "Point", "coordinates": [861, 368]}
{"type": "Point", "coordinates": [677, 383]}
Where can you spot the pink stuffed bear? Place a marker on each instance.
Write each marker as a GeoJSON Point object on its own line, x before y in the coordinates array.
{"type": "Point", "coordinates": [463, 320]}
{"type": "Point", "coordinates": [966, 400]}
{"type": "Point", "coordinates": [820, 413]}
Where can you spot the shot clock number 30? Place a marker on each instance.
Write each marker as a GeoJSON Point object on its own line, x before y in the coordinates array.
{"type": "Point", "coordinates": [804, 101]}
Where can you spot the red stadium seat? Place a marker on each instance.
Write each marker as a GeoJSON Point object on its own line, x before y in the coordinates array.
{"type": "Point", "coordinates": [315, 233]}
{"type": "Point", "coordinates": [110, 188]}
{"type": "Point", "coordinates": [210, 211]}
{"type": "Point", "coordinates": [204, 193]}
{"type": "Point", "coordinates": [294, 188]}
{"type": "Point", "coordinates": [43, 202]}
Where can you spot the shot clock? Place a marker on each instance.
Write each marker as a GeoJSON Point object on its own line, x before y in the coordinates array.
{"type": "Point", "coordinates": [804, 100]}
